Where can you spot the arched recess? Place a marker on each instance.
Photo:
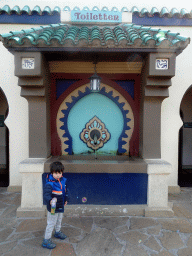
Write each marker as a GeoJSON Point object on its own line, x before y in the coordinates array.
{"type": "Point", "coordinates": [107, 92]}
{"type": "Point", "coordinates": [4, 141]}
{"type": "Point", "coordinates": [185, 140]}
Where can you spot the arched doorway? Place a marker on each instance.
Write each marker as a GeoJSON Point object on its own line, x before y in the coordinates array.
{"type": "Point", "coordinates": [4, 142]}
{"type": "Point", "coordinates": [185, 141]}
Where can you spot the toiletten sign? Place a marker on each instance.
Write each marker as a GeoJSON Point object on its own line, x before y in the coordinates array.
{"type": "Point", "coordinates": [96, 16]}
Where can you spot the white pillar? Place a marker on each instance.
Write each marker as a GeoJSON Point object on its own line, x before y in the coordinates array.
{"type": "Point", "coordinates": [31, 170]}
{"type": "Point", "coordinates": [157, 194]}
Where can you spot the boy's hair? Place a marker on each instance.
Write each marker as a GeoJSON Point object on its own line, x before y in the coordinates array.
{"type": "Point", "coordinates": [56, 167]}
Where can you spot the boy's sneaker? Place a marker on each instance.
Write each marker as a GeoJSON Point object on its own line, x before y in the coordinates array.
{"type": "Point", "coordinates": [60, 235]}
{"type": "Point", "coordinates": [47, 243]}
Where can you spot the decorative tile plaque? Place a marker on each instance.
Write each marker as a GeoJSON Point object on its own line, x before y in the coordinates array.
{"type": "Point", "coordinates": [162, 64]}
{"type": "Point", "coordinates": [95, 134]}
{"type": "Point", "coordinates": [28, 63]}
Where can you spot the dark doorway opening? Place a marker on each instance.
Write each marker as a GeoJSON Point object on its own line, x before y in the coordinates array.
{"type": "Point", "coordinates": [185, 141]}
{"type": "Point", "coordinates": [4, 142]}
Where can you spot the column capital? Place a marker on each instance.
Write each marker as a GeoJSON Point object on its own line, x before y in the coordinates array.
{"type": "Point", "coordinates": [161, 64]}
{"type": "Point", "coordinates": [28, 64]}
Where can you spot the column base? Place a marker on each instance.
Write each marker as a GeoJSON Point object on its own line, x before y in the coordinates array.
{"type": "Point", "coordinates": [14, 189]}
{"type": "Point", "coordinates": [160, 211]}
{"type": "Point", "coordinates": [31, 212]}
{"type": "Point", "coordinates": [174, 189]}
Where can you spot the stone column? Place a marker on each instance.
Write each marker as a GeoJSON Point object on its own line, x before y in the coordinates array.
{"type": "Point", "coordinates": [156, 80]}
{"type": "Point", "coordinates": [33, 73]}
{"type": "Point", "coordinates": [155, 84]}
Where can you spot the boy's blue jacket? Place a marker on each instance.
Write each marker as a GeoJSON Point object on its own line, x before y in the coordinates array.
{"type": "Point", "coordinates": [58, 189]}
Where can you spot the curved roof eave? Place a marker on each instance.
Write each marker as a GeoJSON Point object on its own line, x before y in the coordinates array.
{"type": "Point", "coordinates": [126, 37]}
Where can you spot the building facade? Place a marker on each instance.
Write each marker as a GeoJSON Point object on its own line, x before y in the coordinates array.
{"type": "Point", "coordinates": [120, 143]}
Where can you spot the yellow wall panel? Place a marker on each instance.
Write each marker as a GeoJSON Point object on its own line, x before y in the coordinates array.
{"type": "Point", "coordinates": [88, 67]}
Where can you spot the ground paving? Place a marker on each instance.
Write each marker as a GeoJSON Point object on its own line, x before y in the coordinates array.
{"type": "Point", "coordinates": [99, 236]}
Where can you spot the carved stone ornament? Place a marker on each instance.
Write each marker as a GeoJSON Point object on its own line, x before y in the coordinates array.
{"type": "Point", "coordinates": [95, 134]}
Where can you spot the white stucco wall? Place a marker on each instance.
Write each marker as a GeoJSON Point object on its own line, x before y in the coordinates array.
{"type": "Point", "coordinates": [17, 120]}
{"type": "Point", "coordinates": [171, 121]}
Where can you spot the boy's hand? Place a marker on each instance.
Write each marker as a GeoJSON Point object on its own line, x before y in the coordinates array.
{"type": "Point", "coordinates": [65, 203]}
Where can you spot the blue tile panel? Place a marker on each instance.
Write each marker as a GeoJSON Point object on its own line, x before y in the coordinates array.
{"type": "Point", "coordinates": [153, 17]}
{"type": "Point", "coordinates": [106, 188]}
{"type": "Point", "coordinates": [160, 21]}
{"type": "Point", "coordinates": [26, 19]}
{"type": "Point", "coordinates": [128, 86]}
{"type": "Point", "coordinates": [62, 85]}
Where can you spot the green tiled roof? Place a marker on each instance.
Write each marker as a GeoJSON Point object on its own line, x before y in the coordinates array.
{"type": "Point", "coordinates": [123, 36]}
{"type": "Point", "coordinates": [164, 12]}
{"type": "Point", "coordinates": [26, 10]}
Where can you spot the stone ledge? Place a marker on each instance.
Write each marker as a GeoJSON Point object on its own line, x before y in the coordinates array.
{"type": "Point", "coordinates": [31, 212]}
{"type": "Point", "coordinates": [32, 165]}
{"type": "Point", "coordinates": [158, 167]}
{"type": "Point", "coordinates": [14, 189]}
{"type": "Point", "coordinates": [159, 211]}
{"type": "Point", "coordinates": [104, 210]}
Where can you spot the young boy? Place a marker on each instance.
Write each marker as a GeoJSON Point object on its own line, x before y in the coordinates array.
{"type": "Point", "coordinates": [55, 187]}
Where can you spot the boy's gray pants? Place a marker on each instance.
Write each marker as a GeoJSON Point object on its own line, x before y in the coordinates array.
{"type": "Point", "coordinates": [53, 221]}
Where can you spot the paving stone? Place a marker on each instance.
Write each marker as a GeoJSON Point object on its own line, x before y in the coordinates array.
{"type": "Point", "coordinates": [16, 200]}
{"type": "Point", "coordinates": [185, 252]}
{"type": "Point", "coordinates": [8, 222]}
{"type": "Point", "coordinates": [181, 211]}
{"type": "Point", "coordinates": [138, 223]}
{"type": "Point", "coordinates": [38, 233]}
{"type": "Point", "coordinates": [10, 198]}
{"type": "Point", "coordinates": [177, 211]}
{"type": "Point", "coordinates": [32, 225]}
{"type": "Point", "coordinates": [2, 190]}
{"type": "Point", "coordinates": [164, 253]}
{"type": "Point", "coordinates": [171, 240]}
{"type": "Point", "coordinates": [135, 250]}
{"type": "Point", "coordinates": [34, 242]}
{"type": "Point", "coordinates": [154, 230]}
{"type": "Point", "coordinates": [7, 247]}
{"type": "Point", "coordinates": [63, 249]}
{"type": "Point", "coordinates": [110, 222]}
{"type": "Point", "coordinates": [84, 223]}
{"type": "Point", "coordinates": [121, 229]}
{"type": "Point", "coordinates": [189, 242]}
{"type": "Point", "coordinates": [5, 233]}
{"type": "Point", "coordinates": [10, 212]}
{"type": "Point", "coordinates": [22, 250]}
{"type": "Point", "coordinates": [3, 205]}
{"type": "Point", "coordinates": [74, 240]}
{"type": "Point", "coordinates": [6, 196]}
{"type": "Point", "coordinates": [183, 226]}
{"type": "Point", "coordinates": [20, 236]}
{"type": "Point", "coordinates": [100, 242]}
{"type": "Point", "coordinates": [70, 231]}
{"type": "Point", "coordinates": [152, 244]}
{"type": "Point", "coordinates": [180, 197]}
{"type": "Point", "coordinates": [133, 237]}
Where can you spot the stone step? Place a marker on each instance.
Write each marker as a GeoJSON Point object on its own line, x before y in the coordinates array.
{"type": "Point", "coordinates": [122, 165]}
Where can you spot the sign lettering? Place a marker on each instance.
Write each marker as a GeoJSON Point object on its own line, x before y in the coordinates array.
{"type": "Point", "coordinates": [95, 16]}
